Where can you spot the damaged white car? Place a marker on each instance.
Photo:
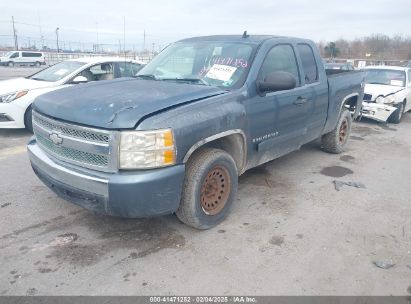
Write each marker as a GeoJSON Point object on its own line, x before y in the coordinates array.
{"type": "Point", "coordinates": [387, 93]}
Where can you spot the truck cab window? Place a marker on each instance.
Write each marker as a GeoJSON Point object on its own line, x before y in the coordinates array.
{"type": "Point", "coordinates": [309, 64]}
{"type": "Point", "coordinates": [280, 58]}
{"type": "Point", "coordinates": [15, 55]}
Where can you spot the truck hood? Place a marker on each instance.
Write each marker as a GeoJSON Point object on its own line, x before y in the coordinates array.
{"type": "Point", "coordinates": [18, 84]}
{"type": "Point", "coordinates": [118, 104]}
{"type": "Point", "coordinates": [380, 90]}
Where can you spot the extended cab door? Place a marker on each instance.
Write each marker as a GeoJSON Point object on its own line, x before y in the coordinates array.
{"type": "Point", "coordinates": [315, 91]}
{"type": "Point", "coordinates": [278, 120]}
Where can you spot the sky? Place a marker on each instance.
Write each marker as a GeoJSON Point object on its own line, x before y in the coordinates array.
{"type": "Point", "coordinates": [82, 23]}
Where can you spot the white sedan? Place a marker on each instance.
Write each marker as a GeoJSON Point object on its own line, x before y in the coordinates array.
{"type": "Point", "coordinates": [17, 95]}
{"type": "Point", "coordinates": [387, 93]}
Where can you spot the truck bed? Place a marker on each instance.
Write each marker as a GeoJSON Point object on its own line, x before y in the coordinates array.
{"type": "Point", "coordinates": [343, 86]}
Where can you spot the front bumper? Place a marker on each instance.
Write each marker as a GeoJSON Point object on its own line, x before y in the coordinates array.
{"type": "Point", "coordinates": [11, 115]}
{"type": "Point", "coordinates": [143, 193]}
{"type": "Point", "coordinates": [377, 111]}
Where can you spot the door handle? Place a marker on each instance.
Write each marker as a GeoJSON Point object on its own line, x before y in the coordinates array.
{"type": "Point", "coordinates": [300, 101]}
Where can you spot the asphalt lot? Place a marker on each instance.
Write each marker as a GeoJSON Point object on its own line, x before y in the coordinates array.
{"type": "Point", "coordinates": [18, 71]}
{"type": "Point", "coordinates": [290, 232]}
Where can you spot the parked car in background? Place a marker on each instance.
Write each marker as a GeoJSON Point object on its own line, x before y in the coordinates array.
{"type": "Point", "coordinates": [201, 113]}
{"type": "Point", "coordinates": [23, 58]}
{"type": "Point", "coordinates": [387, 93]}
{"type": "Point", "coordinates": [16, 95]}
{"type": "Point", "coordinates": [333, 68]}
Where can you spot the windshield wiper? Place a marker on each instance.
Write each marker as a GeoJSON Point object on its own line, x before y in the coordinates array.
{"type": "Point", "coordinates": [195, 80]}
{"type": "Point", "coordinates": [146, 76]}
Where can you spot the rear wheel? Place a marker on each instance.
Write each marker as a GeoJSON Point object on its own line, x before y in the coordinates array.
{"type": "Point", "coordinates": [397, 115]}
{"type": "Point", "coordinates": [37, 64]}
{"type": "Point", "coordinates": [209, 189]}
{"type": "Point", "coordinates": [335, 141]}
{"type": "Point", "coordinates": [28, 119]}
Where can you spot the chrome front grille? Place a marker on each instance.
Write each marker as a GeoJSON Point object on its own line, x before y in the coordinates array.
{"type": "Point", "coordinates": [56, 126]}
{"type": "Point", "coordinates": [86, 147]}
{"type": "Point", "coordinates": [73, 154]}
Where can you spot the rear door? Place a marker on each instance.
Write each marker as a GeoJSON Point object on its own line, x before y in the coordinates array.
{"type": "Point", "coordinates": [315, 92]}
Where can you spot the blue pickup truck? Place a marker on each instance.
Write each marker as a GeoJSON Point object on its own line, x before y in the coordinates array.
{"type": "Point", "coordinates": [175, 138]}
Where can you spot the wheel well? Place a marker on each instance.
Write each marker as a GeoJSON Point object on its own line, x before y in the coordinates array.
{"type": "Point", "coordinates": [351, 103]}
{"type": "Point", "coordinates": [25, 115]}
{"type": "Point", "coordinates": [233, 144]}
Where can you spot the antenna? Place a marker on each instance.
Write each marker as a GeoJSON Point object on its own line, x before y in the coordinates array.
{"type": "Point", "coordinates": [245, 35]}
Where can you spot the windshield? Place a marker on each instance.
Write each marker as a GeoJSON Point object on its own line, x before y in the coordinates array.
{"type": "Point", "coordinates": [386, 77]}
{"type": "Point", "coordinates": [8, 54]}
{"type": "Point", "coordinates": [58, 71]}
{"type": "Point", "coordinates": [212, 63]}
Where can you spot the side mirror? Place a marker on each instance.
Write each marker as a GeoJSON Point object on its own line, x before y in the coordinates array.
{"type": "Point", "coordinates": [277, 81]}
{"type": "Point", "coordinates": [79, 79]}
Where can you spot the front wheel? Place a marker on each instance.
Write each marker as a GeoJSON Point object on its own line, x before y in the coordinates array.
{"type": "Point", "coordinates": [209, 190]}
{"type": "Point", "coordinates": [37, 64]}
{"type": "Point", "coordinates": [28, 119]}
{"type": "Point", "coordinates": [336, 140]}
{"type": "Point", "coordinates": [11, 64]}
{"type": "Point", "coordinates": [397, 114]}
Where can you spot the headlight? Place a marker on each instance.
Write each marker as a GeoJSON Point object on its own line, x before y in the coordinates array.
{"type": "Point", "coordinates": [146, 149]}
{"type": "Point", "coordinates": [380, 99]}
{"type": "Point", "coordinates": [6, 98]}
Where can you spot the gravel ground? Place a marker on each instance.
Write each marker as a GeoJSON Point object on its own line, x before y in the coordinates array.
{"type": "Point", "coordinates": [290, 232]}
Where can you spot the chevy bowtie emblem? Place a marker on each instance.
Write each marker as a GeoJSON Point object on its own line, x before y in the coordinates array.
{"type": "Point", "coordinates": [55, 138]}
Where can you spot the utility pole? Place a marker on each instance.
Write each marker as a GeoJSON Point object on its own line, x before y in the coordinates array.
{"type": "Point", "coordinates": [144, 41]}
{"type": "Point", "coordinates": [124, 36]}
{"type": "Point", "coordinates": [57, 35]}
{"type": "Point", "coordinates": [41, 32]}
{"type": "Point", "coordinates": [16, 45]}
{"type": "Point", "coordinates": [96, 49]}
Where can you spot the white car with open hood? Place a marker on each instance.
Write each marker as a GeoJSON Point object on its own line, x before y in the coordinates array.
{"type": "Point", "coordinates": [387, 93]}
{"type": "Point", "coordinates": [17, 95]}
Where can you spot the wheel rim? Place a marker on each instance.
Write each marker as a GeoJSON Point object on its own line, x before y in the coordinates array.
{"type": "Point", "coordinates": [343, 131]}
{"type": "Point", "coordinates": [215, 190]}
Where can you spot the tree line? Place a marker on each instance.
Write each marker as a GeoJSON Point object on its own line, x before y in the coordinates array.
{"type": "Point", "coordinates": [374, 47]}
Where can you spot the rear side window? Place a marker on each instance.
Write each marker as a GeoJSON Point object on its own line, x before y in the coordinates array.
{"type": "Point", "coordinates": [280, 58]}
{"type": "Point", "coordinates": [309, 65]}
{"type": "Point", "coordinates": [409, 76]}
{"type": "Point", "coordinates": [128, 69]}
{"type": "Point", "coordinates": [28, 54]}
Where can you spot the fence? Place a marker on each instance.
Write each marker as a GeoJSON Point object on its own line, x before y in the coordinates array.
{"type": "Point", "coordinates": [53, 57]}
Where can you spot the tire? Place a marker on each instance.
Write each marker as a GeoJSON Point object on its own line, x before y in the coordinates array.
{"type": "Point", "coordinates": [37, 64]}
{"type": "Point", "coordinates": [336, 140]}
{"type": "Point", "coordinates": [11, 64]}
{"type": "Point", "coordinates": [396, 116]}
{"type": "Point", "coordinates": [209, 190]}
{"type": "Point", "coordinates": [28, 119]}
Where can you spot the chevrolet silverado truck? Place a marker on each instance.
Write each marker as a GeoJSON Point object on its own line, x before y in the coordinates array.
{"type": "Point", "coordinates": [175, 138]}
